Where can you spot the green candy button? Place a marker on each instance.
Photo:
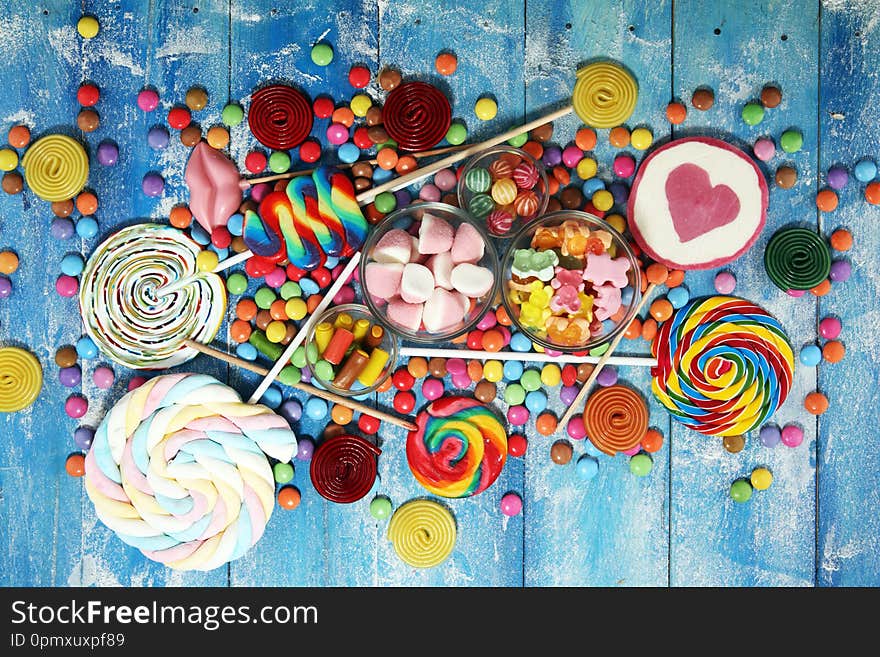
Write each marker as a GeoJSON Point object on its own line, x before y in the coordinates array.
{"type": "Point", "coordinates": [283, 472]}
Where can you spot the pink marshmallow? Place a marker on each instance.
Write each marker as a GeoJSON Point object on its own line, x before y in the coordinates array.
{"type": "Point", "coordinates": [416, 284]}
{"type": "Point", "coordinates": [435, 235]}
{"type": "Point", "coordinates": [468, 245]}
{"type": "Point", "coordinates": [383, 279]}
{"type": "Point", "coordinates": [472, 280]}
{"type": "Point", "coordinates": [442, 310]}
{"type": "Point", "coordinates": [441, 266]}
{"type": "Point", "coordinates": [407, 315]}
{"type": "Point", "coordinates": [414, 255]}
{"type": "Point", "coordinates": [393, 246]}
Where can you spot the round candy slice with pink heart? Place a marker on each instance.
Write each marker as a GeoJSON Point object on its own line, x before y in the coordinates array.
{"type": "Point", "coordinates": [697, 203]}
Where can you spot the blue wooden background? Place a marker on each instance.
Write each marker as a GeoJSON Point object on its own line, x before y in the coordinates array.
{"type": "Point", "coordinates": [819, 524]}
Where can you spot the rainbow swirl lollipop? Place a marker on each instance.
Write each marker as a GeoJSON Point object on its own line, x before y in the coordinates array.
{"type": "Point", "coordinates": [724, 365]}
{"type": "Point", "coordinates": [120, 307]}
{"type": "Point", "coordinates": [459, 448]}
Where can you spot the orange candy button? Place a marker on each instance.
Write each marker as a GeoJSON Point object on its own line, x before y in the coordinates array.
{"type": "Point", "coordinates": [826, 200]}
{"type": "Point", "coordinates": [653, 441]}
{"type": "Point", "coordinates": [289, 497]}
{"type": "Point", "coordinates": [816, 403]}
{"type": "Point", "coordinates": [833, 351]}
{"type": "Point", "coordinates": [75, 465]}
{"type": "Point", "coordinates": [676, 113]}
{"type": "Point", "coordinates": [446, 63]}
{"type": "Point", "coordinates": [240, 331]}
{"type": "Point", "coordinates": [822, 288]}
{"type": "Point", "coordinates": [180, 217]}
{"type": "Point", "coordinates": [661, 310]}
{"type": "Point", "coordinates": [657, 273]}
{"type": "Point", "coordinates": [546, 424]}
{"type": "Point", "coordinates": [585, 139]}
{"type": "Point", "coordinates": [341, 415]}
{"type": "Point", "coordinates": [841, 240]}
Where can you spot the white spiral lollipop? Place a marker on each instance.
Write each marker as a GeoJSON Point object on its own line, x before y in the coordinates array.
{"type": "Point", "coordinates": [120, 307]}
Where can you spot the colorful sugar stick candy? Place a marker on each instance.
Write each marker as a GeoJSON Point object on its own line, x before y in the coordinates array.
{"type": "Point", "coordinates": [349, 352]}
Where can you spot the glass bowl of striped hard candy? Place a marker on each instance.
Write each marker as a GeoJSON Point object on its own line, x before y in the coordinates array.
{"type": "Point", "coordinates": [503, 187]}
{"type": "Point", "coordinates": [570, 281]}
{"type": "Point", "coordinates": [429, 272]}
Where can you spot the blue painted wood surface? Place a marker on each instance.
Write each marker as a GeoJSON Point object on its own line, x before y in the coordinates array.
{"type": "Point", "coordinates": [817, 525]}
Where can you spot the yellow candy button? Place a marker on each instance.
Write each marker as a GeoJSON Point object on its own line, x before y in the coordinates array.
{"type": "Point", "coordinates": [761, 478]}
{"type": "Point", "coordinates": [641, 139]}
{"type": "Point", "coordinates": [8, 159]}
{"type": "Point", "coordinates": [486, 109]}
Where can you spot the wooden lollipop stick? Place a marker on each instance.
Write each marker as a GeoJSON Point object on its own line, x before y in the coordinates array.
{"type": "Point", "coordinates": [306, 327]}
{"type": "Point", "coordinates": [247, 182]}
{"type": "Point", "coordinates": [525, 357]}
{"type": "Point", "coordinates": [417, 174]}
{"type": "Point", "coordinates": [563, 421]}
{"type": "Point", "coordinates": [305, 387]}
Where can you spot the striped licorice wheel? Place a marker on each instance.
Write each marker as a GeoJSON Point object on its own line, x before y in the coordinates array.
{"type": "Point", "coordinates": [797, 259]}
{"type": "Point", "coordinates": [56, 167]}
{"type": "Point", "coordinates": [343, 468]}
{"type": "Point", "coordinates": [422, 533]}
{"type": "Point", "coordinates": [417, 116]}
{"type": "Point", "coordinates": [280, 117]}
{"type": "Point", "coordinates": [616, 419]}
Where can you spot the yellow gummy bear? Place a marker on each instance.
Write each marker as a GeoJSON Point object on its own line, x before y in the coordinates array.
{"type": "Point", "coordinates": [586, 309]}
{"type": "Point", "coordinates": [541, 294]}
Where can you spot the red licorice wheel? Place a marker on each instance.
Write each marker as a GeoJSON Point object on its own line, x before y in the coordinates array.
{"type": "Point", "coordinates": [280, 117]}
{"type": "Point", "coordinates": [416, 115]}
{"type": "Point", "coordinates": [343, 468]}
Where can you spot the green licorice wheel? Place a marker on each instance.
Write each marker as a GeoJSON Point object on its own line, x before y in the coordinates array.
{"type": "Point", "coordinates": [797, 259]}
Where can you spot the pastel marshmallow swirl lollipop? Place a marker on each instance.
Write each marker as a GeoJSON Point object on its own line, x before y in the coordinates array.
{"type": "Point", "coordinates": [459, 448]}
{"type": "Point", "coordinates": [178, 469]}
{"type": "Point", "coordinates": [724, 365]}
{"type": "Point", "coordinates": [121, 306]}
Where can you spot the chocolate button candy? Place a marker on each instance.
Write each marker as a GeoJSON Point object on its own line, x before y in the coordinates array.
{"type": "Point", "coordinates": [703, 99]}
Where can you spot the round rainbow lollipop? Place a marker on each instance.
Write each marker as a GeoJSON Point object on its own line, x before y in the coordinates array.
{"type": "Point", "coordinates": [459, 448]}
{"type": "Point", "coordinates": [724, 365]}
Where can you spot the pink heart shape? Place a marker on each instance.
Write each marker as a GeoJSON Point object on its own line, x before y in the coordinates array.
{"type": "Point", "coordinates": [695, 205]}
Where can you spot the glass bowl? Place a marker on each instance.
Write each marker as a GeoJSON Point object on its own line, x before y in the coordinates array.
{"type": "Point", "coordinates": [555, 307]}
{"type": "Point", "coordinates": [356, 353]}
{"type": "Point", "coordinates": [503, 187]}
{"type": "Point", "coordinates": [381, 273]}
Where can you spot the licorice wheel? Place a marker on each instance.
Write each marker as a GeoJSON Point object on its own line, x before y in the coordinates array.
{"type": "Point", "coordinates": [797, 259]}
{"type": "Point", "coordinates": [616, 419]}
{"type": "Point", "coordinates": [343, 468]}
{"type": "Point", "coordinates": [417, 116]}
{"type": "Point", "coordinates": [280, 117]}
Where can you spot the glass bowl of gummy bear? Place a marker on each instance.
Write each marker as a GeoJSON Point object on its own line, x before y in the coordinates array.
{"type": "Point", "coordinates": [503, 187]}
{"type": "Point", "coordinates": [429, 272]}
{"type": "Point", "coordinates": [570, 282]}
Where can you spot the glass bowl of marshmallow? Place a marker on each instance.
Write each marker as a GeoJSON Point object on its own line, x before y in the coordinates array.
{"type": "Point", "coordinates": [571, 282]}
{"type": "Point", "coordinates": [429, 272]}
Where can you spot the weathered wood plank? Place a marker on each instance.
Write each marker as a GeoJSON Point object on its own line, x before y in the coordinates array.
{"type": "Point", "coordinates": [849, 494]}
{"type": "Point", "coordinates": [320, 543]}
{"type": "Point", "coordinates": [41, 531]}
{"type": "Point", "coordinates": [487, 39]}
{"type": "Point", "coordinates": [170, 47]}
{"type": "Point", "coordinates": [736, 48]}
{"type": "Point", "coordinates": [612, 530]}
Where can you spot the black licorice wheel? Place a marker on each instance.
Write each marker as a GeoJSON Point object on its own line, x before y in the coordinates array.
{"type": "Point", "coordinates": [417, 116]}
{"type": "Point", "coordinates": [280, 117]}
{"type": "Point", "coordinates": [797, 259]}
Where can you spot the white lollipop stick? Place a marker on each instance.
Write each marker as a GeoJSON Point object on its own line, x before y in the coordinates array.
{"type": "Point", "coordinates": [305, 328]}
{"type": "Point", "coordinates": [527, 357]}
